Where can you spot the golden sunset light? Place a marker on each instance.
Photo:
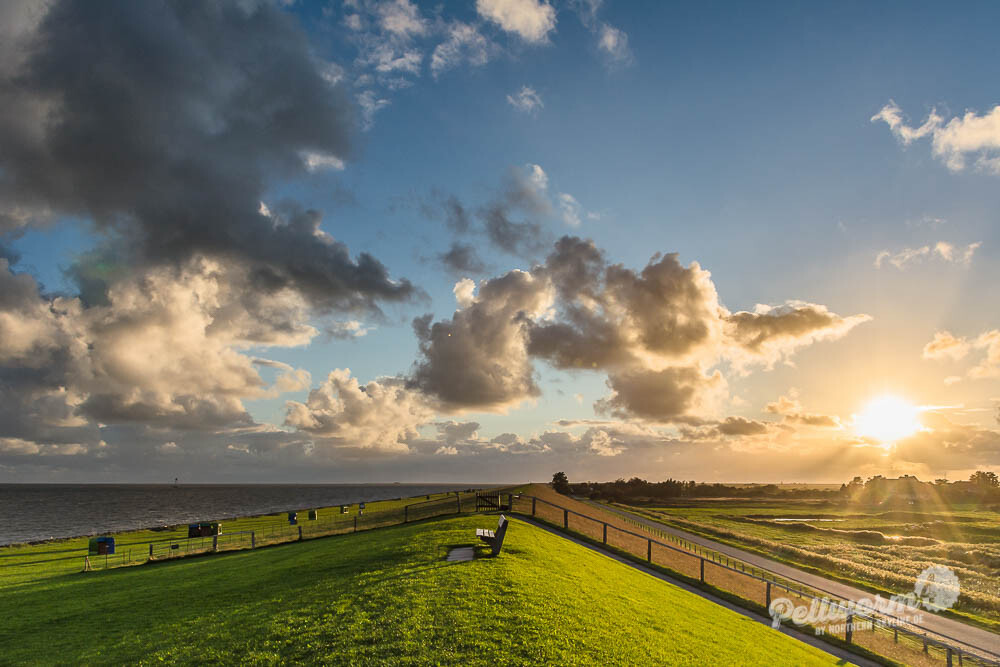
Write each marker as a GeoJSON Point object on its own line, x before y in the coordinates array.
{"type": "Point", "coordinates": [887, 419]}
{"type": "Point", "coordinates": [529, 332]}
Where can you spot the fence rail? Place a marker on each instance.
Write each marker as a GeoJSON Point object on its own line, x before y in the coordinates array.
{"type": "Point", "coordinates": [878, 632]}
{"type": "Point", "coordinates": [277, 533]}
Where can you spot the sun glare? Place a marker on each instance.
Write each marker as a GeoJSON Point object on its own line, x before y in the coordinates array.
{"type": "Point", "coordinates": [887, 419]}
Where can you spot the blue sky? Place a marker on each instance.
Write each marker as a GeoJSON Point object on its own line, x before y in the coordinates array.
{"type": "Point", "coordinates": [741, 138]}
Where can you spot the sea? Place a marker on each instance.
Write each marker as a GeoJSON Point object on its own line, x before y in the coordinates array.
{"type": "Point", "coordinates": [33, 512]}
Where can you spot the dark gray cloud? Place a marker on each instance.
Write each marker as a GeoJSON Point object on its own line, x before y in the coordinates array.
{"type": "Point", "coordinates": [462, 259]}
{"type": "Point", "coordinates": [512, 220]}
{"type": "Point", "coordinates": [523, 238]}
{"type": "Point", "coordinates": [479, 357]}
{"type": "Point", "coordinates": [671, 394]}
{"type": "Point", "coordinates": [164, 122]}
{"type": "Point", "coordinates": [769, 334]}
{"type": "Point", "coordinates": [655, 332]}
{"type": "Point", "coordinates": [741, 426]}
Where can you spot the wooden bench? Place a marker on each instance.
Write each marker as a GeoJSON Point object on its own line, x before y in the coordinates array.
{"type": "Point", "coordinates": [494, 539]}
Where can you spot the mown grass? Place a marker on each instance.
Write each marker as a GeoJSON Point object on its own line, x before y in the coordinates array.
{"type": "Point", "coordinates": [384, 597]}
{"type": "Point", "coordinates": [881, 550]}
{"type": "Point", "coordinates": [28, 563]}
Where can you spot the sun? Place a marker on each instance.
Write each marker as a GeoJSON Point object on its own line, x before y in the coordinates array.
{"type": "Point", "coordinates": [887, 419]}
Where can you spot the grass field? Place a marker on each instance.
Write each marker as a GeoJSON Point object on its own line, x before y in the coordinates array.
{"type": "Point", "coordinates": [886, 549]}
{"type": "Point", "coordinates": [384, 597]}
{"type": "Point", "coordinates": [26, 563]}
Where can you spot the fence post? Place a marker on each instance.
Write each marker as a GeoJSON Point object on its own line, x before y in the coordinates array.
{"type": "Point", "coordinates": [702, 575]}
{"type": "Point", "coordinates": [215, 540]}
{"type": "Point", "coordinates": [253, 539]}
{"type": "Point", "coordinates": [566, 519]}
{"type": "Point", "coordinates": [355, 523]}
{"type": "Point", "coordinates": [458, 503]}
{"type": "Point", "coordinates": [649, 550]}
{"type": "Point", "coordinates": [949, 656]}
{"type": "Point", "coordinates": [300, 533]}
{"type": "Point", "coordinates": [925, 642]}
{"type": "Point", "coordinates": [605, 533]}
{"type": "Point", "coordinates": [768, 603]}
{"type": "Point", "coordinates": [895, 634]}
{"type": "Point", "coordinates": [848, 634]}
{"type": "Point", "coordinates": [533, 501]}
{"type": "Point", "coordinates": [406, 513]}
{"type": "Point", "coordinates": [150, 551]}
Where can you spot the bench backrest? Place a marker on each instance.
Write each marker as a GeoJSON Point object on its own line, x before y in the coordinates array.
{"type": "Point", "coordinates": [499, 534]}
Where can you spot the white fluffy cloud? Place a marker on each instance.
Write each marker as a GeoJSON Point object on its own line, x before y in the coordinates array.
{"type": "Point", "coordinates": [527, 100]}
{"type": "Point", "coordinates": [401, 17]}
{"type": "Point", "coordinates": [946, 346]}
{"type": "Point", "coordinates": [463, 43]}
{"type": "Point", "coordinates": [941, 250]}
{"type": "Point", "coordinates": [613, 42]}
{"type": "Point", "coordinates": [166, 348]}
{"type": "Point", "coordinates": [380, 416]}
{"type": "Point", "coordinates": [954, 142]}
{"type": "Point", "coordinates": [532, 20]}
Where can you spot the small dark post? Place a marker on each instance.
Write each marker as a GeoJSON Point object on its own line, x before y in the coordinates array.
{"type": "Point", "coordinates": [768, 596]}
{"type": "Point", "coordinates": [925, 642]}
{"type": "Point", "coordinates": [702, 570]}
{"type": "Point", "coordinates": [949, 656]}
{"type": "Point", "coordinates": [534, 501]}
{"type": "Point", "coordinates": [215, 540]}
{"type": "Point", "coordinates": [253, 540]}
{"type": "Point", "coordinates": [355, 523]}
{"type": "Point", "coordinates": [458, 503]}
{"type": "Point", "coordinates": [566, 519]}
{"type": "Point", "coordinates": [406, 513]}
{"type": "Point", "coordinates": [605, 533]}
{"type": "Point", "coordinates": [895, 635]}
{"type": "Point", "coordinates": [300, 533]}
{"type": "Point", "coordinates": [850, 628]}
{"type": "Point", "coordinates": [649, 550]}
{"type": "Point", "coordinates": [150, 550]}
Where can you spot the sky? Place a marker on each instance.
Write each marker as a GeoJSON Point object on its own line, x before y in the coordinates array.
{"type": "Point", "coordinates": [384, 240]}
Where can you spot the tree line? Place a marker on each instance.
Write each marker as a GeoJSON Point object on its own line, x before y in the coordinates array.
{"type": "Point", "coordinates": [982, 486]}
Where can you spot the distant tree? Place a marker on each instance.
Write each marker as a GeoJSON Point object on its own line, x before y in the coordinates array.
{"type": "Point", "coordinates": [560, 482]}
{"type": "Point", "coordinates": [984, 478]}
{"type": "Point", "coordinates": [941, 482]}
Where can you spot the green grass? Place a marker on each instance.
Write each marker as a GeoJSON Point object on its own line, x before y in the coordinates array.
{"type": "Point", "coordinates": [883, 550]}
{"type": "Point", "coordinates": [384, 597]}
{"type": "Point", "coordinates": [28, 563]}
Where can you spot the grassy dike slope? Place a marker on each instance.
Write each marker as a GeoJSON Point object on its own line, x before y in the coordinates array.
{"type": "Point", "coordinates": [386, 597]}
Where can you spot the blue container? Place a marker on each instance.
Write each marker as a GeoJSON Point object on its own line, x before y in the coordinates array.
{"type": "Point", "coordinates": [293, 518]}
{"type": "Point", "coordinates": [105, 545]}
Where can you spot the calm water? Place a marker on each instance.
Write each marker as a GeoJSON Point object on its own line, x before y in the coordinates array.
{"type": "Point", "coordinates": [31, 512]}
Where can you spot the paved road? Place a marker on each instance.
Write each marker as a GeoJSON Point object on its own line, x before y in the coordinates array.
{"type": "Point", "coordinates": [785, 629]}
{"type": "Point", "coordinates": [941, 625]}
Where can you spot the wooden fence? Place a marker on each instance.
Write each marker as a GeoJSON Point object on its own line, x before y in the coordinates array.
{"type": "Point", "coordinates": [279, 532]}
{"type": "Point", "coordinates": [881, 633]}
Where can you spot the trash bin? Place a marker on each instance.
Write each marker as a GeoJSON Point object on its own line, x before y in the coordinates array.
{"type": "Point", "coordinates": [293, 518]}
{"type": "Point", "coordinates": [105, 545]}
{"type": "Point", "coordinates": [194, 530]}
